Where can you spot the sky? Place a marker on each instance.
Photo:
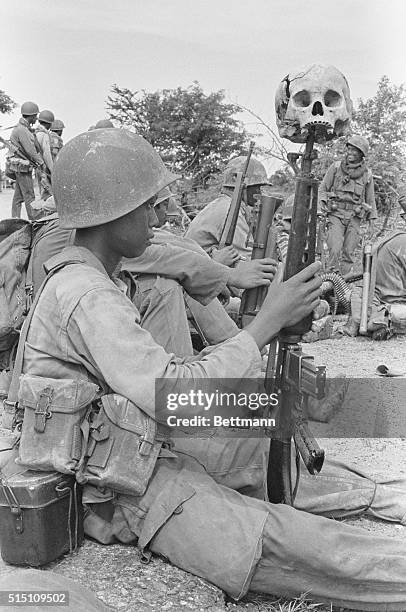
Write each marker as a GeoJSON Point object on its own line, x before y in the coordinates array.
{"type": "Point", "coordinates": [66, 54]}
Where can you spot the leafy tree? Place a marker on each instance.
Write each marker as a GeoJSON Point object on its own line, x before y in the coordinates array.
{"type": "Point", "coordinates": [196, 134]}
{"type": "Point", "coordinates": [6, 103]}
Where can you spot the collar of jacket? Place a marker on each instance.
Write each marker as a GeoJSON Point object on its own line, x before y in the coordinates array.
{"type": "Point", "coordinates": [25, 123]}
{"type": "Point", "coordinates": [41, 128]}
{"type": "Point", "coordinates": [355, 171]}
{"type": "Point", "coordinates": [74, 255]}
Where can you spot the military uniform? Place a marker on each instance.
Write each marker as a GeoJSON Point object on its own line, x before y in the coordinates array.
{"type": "Point", "coordinates": [353, 200]}
{"type": "Point", "coordinates": [56, 144]}
{"type": "Point", "coordinates": [203, 512]}
{"type": "Point", "coordinates": [44, 141]}
{"type": "Point", "coordinates": [27, 156]}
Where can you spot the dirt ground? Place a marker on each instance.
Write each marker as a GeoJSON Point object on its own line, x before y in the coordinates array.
{"type": "Point", "coordinates": [369, 430]}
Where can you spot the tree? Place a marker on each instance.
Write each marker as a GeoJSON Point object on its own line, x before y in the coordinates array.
{"type": "Point", "coordinates": [6, 103]}
{"type": "Point", "coordinates": [196, 134]}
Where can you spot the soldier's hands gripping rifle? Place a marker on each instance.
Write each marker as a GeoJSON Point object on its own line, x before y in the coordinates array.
{"type": "Point", "coordinates": [15, 151]}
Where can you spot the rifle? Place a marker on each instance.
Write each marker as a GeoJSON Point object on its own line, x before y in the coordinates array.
{"type": "Point", "coordinates": [227, 235]}
{"type": "Point", "coordinates": [290, 373]}
{"type": "Point", "coordinates": [44, 178]}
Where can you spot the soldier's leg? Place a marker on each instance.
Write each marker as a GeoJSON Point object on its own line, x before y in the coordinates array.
{"type": "Point", "coordinates": [240, 543]}
{"type": "Point", "coordinates": [351, 239]}
{"type": "Point", "coordinates": [18, 198]}
{"type": "Point", "coordinates": [162, 308]}
{"type": "Point", "coordinates": [342, 490]}
{"type": "Point", "coordinates": [212, 320]}
{"type": "Point", "coordinates": [335, 238]}
{"type": "Point", "coordinates": [27, 190]}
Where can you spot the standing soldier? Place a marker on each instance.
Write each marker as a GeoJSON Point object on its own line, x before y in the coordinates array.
{"type": "Point", "coordinates": [45, 119]}
{"type": "Point", "coordinates": [24, 158]}
{"type": "Point", "coordinates": [55, 134]}
{"type": "Point", "coordinates": [346, 197]}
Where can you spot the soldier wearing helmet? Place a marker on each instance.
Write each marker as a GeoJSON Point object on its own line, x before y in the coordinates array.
{"type": "Point", "coordinates": [84, 334]}
{"type": "Point", "coordinates": [24, 159]}
{"type": "Point", "coordinates": [42, 133]}
{"type": "Point", "coordinates": [206, 228]}
{"type": "Point", "coordinates": [55, 135]}
{"type": "Point", "coordinates": [346, 197]}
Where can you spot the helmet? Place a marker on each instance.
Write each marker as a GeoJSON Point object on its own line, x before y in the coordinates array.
{"type": "Point", "coordinates": [102, 175]}
{"type": "Point", "coordinates": [360, 143]}
{"type": "Point", "coordinates": [103, 123]}
{"type": "Point", "coordinates": [287, 208]}
{"type": "Point", "coordinates": [46, 116]}
{"type": "Point", "coordinates": [57, 125]}
{"type": "Point", "coordinates": [29, 108]}
{"type": "Point", "coordinates": [163, 195]}
{"type": "Point", "coordinates": [256, 173]}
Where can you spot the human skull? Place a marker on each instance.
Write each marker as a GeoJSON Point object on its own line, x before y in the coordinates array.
{"type": "Point", "coordinates": [316, 96]}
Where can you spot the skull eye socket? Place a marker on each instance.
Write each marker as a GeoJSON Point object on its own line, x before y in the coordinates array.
{"type": "Point", "coordinates": [332, 98]}
{"type": "Point", "coordinates": [302, 98]}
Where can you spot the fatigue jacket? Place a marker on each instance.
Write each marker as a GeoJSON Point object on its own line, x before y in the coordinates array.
{"type": "Point", "coordinates": [85, 328]}
{"type": "Point", "coordinates": [349, 191]}
{"type": "Point", "coordinates": [23, 138]}
{"type": "Point", "coordinates": [56, 144]}
{"type": "Point", "coordinates": [44, 141]}
{"type": "Point", "coordinates": [207, 227]}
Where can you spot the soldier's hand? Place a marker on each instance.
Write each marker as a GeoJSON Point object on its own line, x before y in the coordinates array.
{"type": "Point", "coordinates": [227, 256]}
{"type": "Point", "coordinates": [287, 303]}
{"type": "Point", "coordinates": [253, 273]}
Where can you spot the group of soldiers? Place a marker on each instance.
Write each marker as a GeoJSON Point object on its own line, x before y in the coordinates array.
{"type": "Point", "coordinates": [204, 504]}
{"type": "Point", "coordinates": [35, 143]}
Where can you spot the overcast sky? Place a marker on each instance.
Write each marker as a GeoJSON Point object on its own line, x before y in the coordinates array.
{"type": "Point", "coordinates": [66, 54]}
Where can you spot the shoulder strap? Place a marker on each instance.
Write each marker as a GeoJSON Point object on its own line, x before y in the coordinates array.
{"type": "Point", "coordinates": [15, 380]}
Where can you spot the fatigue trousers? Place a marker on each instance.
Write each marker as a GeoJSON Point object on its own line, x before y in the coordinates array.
{"type": "Point", "coordinates": [23, 192]}
{"type": "Point", "coordinates": [204, 511]}
{"type": "Point", "coordinates": [342, 240]}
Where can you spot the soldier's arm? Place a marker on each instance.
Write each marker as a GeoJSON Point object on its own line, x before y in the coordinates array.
{"type": "Point", "coordinates": [326, 185]}
{"type": "Point", "coordinates": [26, 142]}
{"type": "Point", "coordinates": [370, 199]}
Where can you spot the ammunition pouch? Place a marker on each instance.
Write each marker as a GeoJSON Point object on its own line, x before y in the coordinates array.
{"type": "Point", "coordinates": [52, 436]}
{"type": "Point", "coordinates": [17, 164]}
{"type": "Point", "coordinates": [124, 444]}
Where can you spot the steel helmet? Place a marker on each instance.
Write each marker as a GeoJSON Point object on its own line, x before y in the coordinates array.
{"type": "Point", "coordinates": [256, 173]}
{"type": "Point", "coordinates": [103, 123]}
{"type": "Point", "coordinates": [57, 124]}
{"type": "Point", "coordinates": [102, 175]}
{"type": "Point", "coordinates": [46, 116]}
{"type": "Point", "coordinates": [287, 207]}
{"type": "Point", "coordinates": [163, 195]}
{"type": "Point", "coordinates": [29, 108]}
{"type": "Point", "coordinates": [360, 143]}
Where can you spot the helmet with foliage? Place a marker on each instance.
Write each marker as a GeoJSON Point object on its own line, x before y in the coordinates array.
{"type": "Point", "coordinates": [360, 143]}
{"type": "Point", "coordinates": [57, 125]}
{"type": "Point", "coordinates": [29, 108]}
{"type": "Point", "coordinates": [256, 173]}
{"type": "Point", "coordinates": [104, 174]}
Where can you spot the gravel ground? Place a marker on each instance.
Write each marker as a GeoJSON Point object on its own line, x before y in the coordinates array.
{"type": "Point", "coordinates": [373, 406]}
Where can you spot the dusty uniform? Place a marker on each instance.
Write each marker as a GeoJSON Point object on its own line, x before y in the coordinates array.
{"type": "Point", "coordinates": [44, 141]}
{"type": "Point", "coordinates": [194, 512]}
{"type": "Point", "coordinates": [207, 227]}
{"type": "Point", "coordinates": [23, 138]}
{"type": "Point", "coordinates": [56, 144]}
{"type": "Point", "coordinates": [351, 190]}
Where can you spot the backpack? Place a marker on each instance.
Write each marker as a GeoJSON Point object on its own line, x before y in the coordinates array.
{"type": "Point", "coordinates": [21, 274]}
